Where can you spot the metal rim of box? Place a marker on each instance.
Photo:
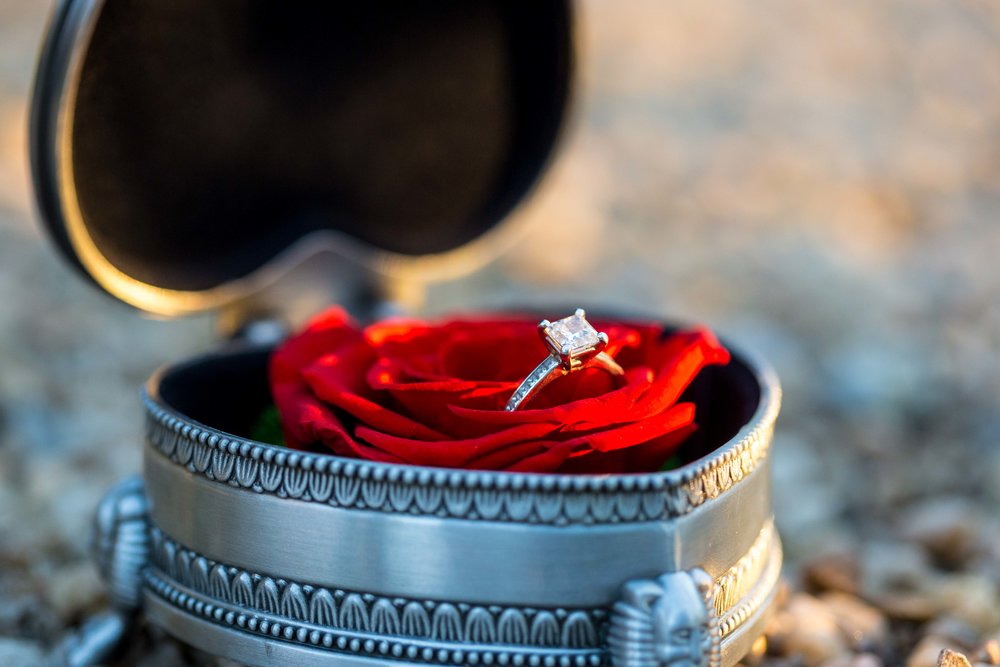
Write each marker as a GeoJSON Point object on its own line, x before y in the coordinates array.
{"type": "Point", "coordinates": [270, 556]}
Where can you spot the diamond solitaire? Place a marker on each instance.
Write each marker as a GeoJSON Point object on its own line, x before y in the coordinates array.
{"type": "Point", "coordinates": [573, 344]}
{"type": "Point", "coordinates": [572, 338]}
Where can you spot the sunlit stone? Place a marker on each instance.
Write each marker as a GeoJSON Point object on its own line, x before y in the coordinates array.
{"type": "Point", "coordinates": [573, 332]}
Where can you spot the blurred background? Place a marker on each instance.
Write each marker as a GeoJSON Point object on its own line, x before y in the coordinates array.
{"type": "Point", "coordinates": [819, 182]}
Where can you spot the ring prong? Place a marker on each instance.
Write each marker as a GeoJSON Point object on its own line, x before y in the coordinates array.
{"type": "Point", "coordinates": [603, 337]}
{"type": "Point", "coordinates": [580, 312]}
{"type": "Point", "coordinates": [543, 325]}
{"type": "Point", "coordinates": [566, 351]}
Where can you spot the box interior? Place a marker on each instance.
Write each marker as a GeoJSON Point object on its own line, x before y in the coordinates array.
{"type": "Point", "coordinates": [210, 136]}
{"type": "Point", "coordinates": [228, 390]}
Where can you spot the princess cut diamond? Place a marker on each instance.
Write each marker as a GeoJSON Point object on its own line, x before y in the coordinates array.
{"type": "Point", "coordinates": [573, 332]}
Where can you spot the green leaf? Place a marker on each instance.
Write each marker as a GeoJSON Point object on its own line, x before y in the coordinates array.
{"type": "Point", "coordinates": [674, 461]}
{"type": "Point", "coordinates": [267, 428]}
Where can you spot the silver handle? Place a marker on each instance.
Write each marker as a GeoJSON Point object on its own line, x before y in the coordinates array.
{"type": "Point", "coordinates": [121, 551]}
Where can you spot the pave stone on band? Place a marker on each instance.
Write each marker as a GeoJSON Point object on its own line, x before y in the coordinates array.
{"type": "Point", "coordinates": [573, 345]}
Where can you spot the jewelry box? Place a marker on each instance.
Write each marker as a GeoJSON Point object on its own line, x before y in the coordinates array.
{"type": "Point", "coordinates": [264, 159]}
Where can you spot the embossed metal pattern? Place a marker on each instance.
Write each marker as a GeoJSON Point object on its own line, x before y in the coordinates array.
{"type": "Point", "coordinates": [359, 612]}
{"type": "Point", "coordinates": [431, 631]}
{"type": "Point", "coordinates": [759, 590]}
{"type": "Point", "coordinates": [733, 586]}
{"type": "Point", "coordinates": [419, 556]}
{"type": "Point", "coordinates": [669, 620]}
{"type": "Point", "coordinates": [461, 494]}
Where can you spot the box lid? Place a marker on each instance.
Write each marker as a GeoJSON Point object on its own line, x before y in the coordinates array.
{"type": "Point", "coordinates": [184, 152]}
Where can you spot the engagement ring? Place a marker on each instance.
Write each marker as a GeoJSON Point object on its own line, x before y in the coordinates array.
{"type": "Point", "coordinates": [573, 345]}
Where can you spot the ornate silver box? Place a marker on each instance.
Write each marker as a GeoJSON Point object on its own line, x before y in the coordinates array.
{"type": "Point", "coordinates": [265, 159]}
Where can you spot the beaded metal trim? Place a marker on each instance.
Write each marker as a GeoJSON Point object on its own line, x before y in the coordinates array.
{"type": "Point", "coordinates": [422, 630]}
{"type": "Point", "coordinates": [366, 624]}
{"type": "Point", "coordinates": [471, 495]}
{"type": "Point", "coordinates": [355, 612]}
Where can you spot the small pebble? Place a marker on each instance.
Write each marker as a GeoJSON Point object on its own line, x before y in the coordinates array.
{"type": "Point", "coordinates": [28, 617]}
{"type": "Point", "coordinates": [864, 626]}
{"type": "Point", "coordinates": [947, 528]}
{"type": "Point", "coordinates": [911, 607]}
{"type": "Point", "coordinates": [806, 628]}
{"type": "Point", "coordinates": [953, 628]}
{"type": "Point", "coordinates": [833, 572]}
{"type": "Point", "coordinates": [893, 567]}
{"type": "Point", "coordinates": [74, 589]}
{"type": "Point", "coordinates": [989, 653]}
{"type": "Point", "coordinates": [928, 650]}
{"type": "Point", "coordinates": [970, 598]}
{"type": "Point", "coordinates": [860, 660]}
{"type": "Point", "coordinates": [949, 658]}
{"type": "Point", "coordinates": [20, 653]}
{"type": "Point", "coordinates": [163, 654]}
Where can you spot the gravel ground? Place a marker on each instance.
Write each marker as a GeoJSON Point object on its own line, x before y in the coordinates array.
{"type": "Point", "coordinates": [817, 181]}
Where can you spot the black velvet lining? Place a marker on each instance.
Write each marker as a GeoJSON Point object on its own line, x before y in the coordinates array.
{"type": "Point", "coordinates": [228, 391]}
{"type": "Point", "coordinates": [209, 136]}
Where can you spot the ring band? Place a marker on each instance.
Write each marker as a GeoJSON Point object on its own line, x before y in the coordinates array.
{"type": "Point", "coordinates": [573, 345]}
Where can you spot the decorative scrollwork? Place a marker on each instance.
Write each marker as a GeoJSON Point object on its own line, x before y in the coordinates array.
{"type": "Point", "coordinates": [670, 621]}
{"type": "Point", "coordinates": [468, 495]}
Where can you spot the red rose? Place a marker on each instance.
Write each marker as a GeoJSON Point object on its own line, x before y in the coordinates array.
{"type": "Point", "coordinates": [434, 394]}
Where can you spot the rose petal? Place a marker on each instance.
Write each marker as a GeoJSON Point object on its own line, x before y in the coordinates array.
{"type": "Point", "coordinates": [313, 422]}
{"type": "Point", "coordinates": [451, 453]}
{"type": "Point", "coordinates": [501, 458]}
{"type": "Point", "coordinates": [335, 379]}
{"type": "Point", "coordinates": [322, 335]}
{"type": "Point", "coordinates": [652, 455]}
{"type": "Point", "coordinates": [639, 432]}
{"type": "Point", "coordinates": [683, 360]}
{"type": "Point", "coordinates": [381, 418]}
{"type": "Point", "coordinates": [612, 407]}
{"type": "Point", "coordinates": [490, 350]}
{"type": "Point", "coordinates": [548, 461]}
